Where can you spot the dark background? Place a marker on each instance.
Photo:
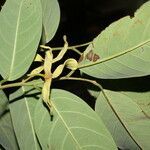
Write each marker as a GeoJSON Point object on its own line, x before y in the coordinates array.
{"type": "Point", "coordinates": [82, 20]}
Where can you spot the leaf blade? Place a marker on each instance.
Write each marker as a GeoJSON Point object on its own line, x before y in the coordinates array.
{"type": "Point", "coordinates": [51, 18]}
{"type": "Point", "coordinates": [130, 113]}
{"type": "Point", "coordinates": [21, 108]}
{"type": "Point", "coordinates": [123, 48]}
{"type": "Point", "coordinates": [7, 135]}
{"type": "Point", "coordinates": [84, 120]}
{"type": "Point", "coordinates": [21, 25]}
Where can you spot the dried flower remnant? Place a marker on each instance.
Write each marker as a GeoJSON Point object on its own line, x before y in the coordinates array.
{"type": "Point", "coordinates": [89, 56]}
{"type": "Point", "coordinates": [95, 57]}
{"type": "Point", "coordinates": [81, 58]}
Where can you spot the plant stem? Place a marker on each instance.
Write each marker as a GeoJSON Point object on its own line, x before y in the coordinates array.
{"type": "Point", "coordinates": [82, 79]}
{"type": "Point", "coordinates": [45, 47]}
{"type": "Point", "coordinates": [70, 73]}
{"type": "Point", "coordinates": [3, 81]}
{"type": "Point", "coordinates": [18, 84]}
{"type": "Point", "coordinates": [30, 77]}
{"type": "Point", "coordinates": [72, 47]}
{"type": "Point", "coordinates": [76, 50]}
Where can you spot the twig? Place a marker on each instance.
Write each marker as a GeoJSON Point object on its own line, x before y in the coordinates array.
{"type": "Point", "coordinates": [18, 84]}
{"type": "Point", "coordinates": [72, 47]}
{"type": "Point", "coordinates": [76, 50]}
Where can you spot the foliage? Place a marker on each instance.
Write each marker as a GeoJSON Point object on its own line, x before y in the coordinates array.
{"type": "Point", "coordinates": [37, 115]}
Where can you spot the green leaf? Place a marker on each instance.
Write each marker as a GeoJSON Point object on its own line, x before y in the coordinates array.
{"type": "Point", "coordinates": [133, 109]}
{"type": "Point", "coordinates": [122, 50]}
{"type": "Point", "coordinates": [7, 135]}
{"type": "Point", "coordinates": [22, 104]}
{"type": "Point", "coordinates": [74, 126]}
{"type": "Point", "coordinates": [51, 18]}
{"type": "Point", "coordinates": [20, 32]}
{"type": "Point", "coordinates": [3, 102]}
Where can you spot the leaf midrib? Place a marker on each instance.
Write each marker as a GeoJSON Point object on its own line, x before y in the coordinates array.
{"type": "Point", "coordinates": [15, 41]}
{"type": "Point", "coordinates": [30, 119]}
{"type": "Point", "coordinates": [104, 93]}
{"type": "Point", "coordinates": [65, 124]}
{"type": "Point", "coordinates": [114, 56]}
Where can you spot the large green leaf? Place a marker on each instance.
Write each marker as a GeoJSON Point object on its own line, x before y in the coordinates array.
{"type": "Point", "coordinates": [20, 32]}
{"type": "Point", "coordinates": [7, 135]}
{"type": "Point", "coordinates": [22, 106]}
{"type": "Point", "coordinates": [133, 124]}
{"type": "Point", "coordinates": [74, 126]}
{"type": "Point", "coordinates": [51, 18]}
{"type": "Point", "coordinates": [123, 48]}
